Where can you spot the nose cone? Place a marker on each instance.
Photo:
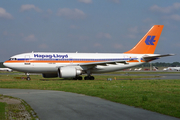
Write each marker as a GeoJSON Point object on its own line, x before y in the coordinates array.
{"type": "Point", "coordinates": [6, 64]}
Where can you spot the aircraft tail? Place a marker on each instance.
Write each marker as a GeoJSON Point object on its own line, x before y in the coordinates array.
{"type": "Point", "coordinates": [148, 43]}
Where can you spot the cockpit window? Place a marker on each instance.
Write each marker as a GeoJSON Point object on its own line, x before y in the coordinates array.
{"type": "Point", "coordinates": [12, 59]}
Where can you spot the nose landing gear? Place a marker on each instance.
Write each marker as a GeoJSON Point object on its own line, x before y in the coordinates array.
{"type": "Point", "coordinates": [28, 78]}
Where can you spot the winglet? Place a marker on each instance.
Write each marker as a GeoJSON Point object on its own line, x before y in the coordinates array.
{"type": "Point", "coordinates": [148, 43]}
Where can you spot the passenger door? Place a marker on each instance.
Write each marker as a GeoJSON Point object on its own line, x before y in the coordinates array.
{"type": "Point", "coordinates": [27, 60]}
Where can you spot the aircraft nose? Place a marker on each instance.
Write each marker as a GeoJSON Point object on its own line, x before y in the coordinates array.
{"type": "Point", "coordinates": [6, 64]}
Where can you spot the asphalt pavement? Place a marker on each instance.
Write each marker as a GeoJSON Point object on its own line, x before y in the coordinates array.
{"type": "Point", "coordinates": [58, 105]}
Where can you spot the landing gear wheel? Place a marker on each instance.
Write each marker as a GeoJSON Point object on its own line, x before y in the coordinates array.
{"type": "Point", "coordinates": [28, 78]}
{"type": "Point", "coordinates": [77, 78]}
{"type": "Point", "coordinates": [89, 78]}
{"type": "Point", "coordinates": [86, 78]}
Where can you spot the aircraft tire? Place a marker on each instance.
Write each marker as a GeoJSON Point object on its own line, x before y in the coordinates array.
{"type": "Point", "coordinates": [79, 78]}
{"type": "Point", "coordinates": [89, 78]}
{"type": "Point", "coordinates": [28, 78]}
{"type": "Point", "coordinates": [85, 78]}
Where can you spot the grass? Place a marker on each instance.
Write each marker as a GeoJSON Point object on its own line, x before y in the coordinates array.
{"type": "Point", "coordinates": [2, 110]}
{"type": "Point", "coordinates": [162, 96]}
{"type": "Point", "coordinates": [15, 111]}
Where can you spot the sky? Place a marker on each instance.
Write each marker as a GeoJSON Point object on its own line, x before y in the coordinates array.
{"type": "Point", "coordinates": [92, 26]}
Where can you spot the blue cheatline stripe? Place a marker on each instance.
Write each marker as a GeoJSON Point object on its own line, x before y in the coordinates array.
{"type": "Point", "coordinates": [79, 59]}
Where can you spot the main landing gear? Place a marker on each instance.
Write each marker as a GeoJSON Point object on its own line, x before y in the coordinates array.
{"type": "Point", "coordinates": [89, 78]}
{"type": "Point", "coordinates": [85, 78]}
{"type": "Point", "coordinates": [77, 78]}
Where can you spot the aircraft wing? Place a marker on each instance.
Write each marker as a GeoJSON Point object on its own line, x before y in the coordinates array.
{"type": "Point", "coordinates": [103, 63]}
{"type": "Point", "coordinates": [150, 58]}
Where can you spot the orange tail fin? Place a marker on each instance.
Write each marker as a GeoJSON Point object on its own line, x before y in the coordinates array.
{"type": "Point", "coordinates": [147, 44]}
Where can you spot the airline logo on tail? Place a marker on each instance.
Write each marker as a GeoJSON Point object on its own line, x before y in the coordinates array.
{"type": "Point", "coordinates": [150, 40]}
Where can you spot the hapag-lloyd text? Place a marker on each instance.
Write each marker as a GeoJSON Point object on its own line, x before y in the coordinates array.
{"type": "Point", "coordinates": [51, 56]}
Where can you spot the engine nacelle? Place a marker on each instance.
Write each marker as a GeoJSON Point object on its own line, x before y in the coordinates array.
{"type": "Point", "coordinates": [68, 72]}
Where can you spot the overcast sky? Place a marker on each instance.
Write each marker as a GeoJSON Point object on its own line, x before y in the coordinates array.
{"type": "Point", "coordinates": [111, 26]}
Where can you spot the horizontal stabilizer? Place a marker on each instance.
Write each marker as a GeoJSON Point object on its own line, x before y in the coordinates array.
{"type": "Point", "coordinates": [150, 58]}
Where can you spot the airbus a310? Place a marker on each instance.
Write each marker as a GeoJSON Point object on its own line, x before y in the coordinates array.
{"type": "Point", "coordinates": [73, 65]}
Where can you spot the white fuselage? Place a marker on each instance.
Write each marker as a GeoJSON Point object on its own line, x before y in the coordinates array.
{"type": "Point", "coordinates": [174, 68]}
{"type": "Point", "coordinates": [41, 62]}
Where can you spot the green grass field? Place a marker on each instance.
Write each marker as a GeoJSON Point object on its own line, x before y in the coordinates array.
{"type": "Point", "coordinates": [2, 111]}
{"type": "Point", "coordinates": [162, 96]}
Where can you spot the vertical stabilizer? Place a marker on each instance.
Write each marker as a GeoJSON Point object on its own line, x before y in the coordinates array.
{"type": "Point", "coordinates": [148, 43]}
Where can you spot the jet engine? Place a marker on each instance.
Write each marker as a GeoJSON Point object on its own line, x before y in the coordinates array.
{"type": "Point", "coordinates": [68, 72]}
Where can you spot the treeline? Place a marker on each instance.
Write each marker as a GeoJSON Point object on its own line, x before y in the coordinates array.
{"type": "Point", "coordinates": [157, 64]}
{"type": "Point", "coordinates": [1, 65]}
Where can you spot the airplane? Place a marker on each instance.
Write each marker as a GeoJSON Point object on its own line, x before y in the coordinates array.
{"type": "Point", "coordinates": [155, 68]}
{"type": "Point", "coordinates": [6, 69]}
{"type": "Point", "coordinates": [73, 65]}
{"type": "Point", "coordinates": [138, 69]}
{"type": "Point", "coordinates": [172, 68]}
